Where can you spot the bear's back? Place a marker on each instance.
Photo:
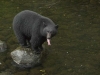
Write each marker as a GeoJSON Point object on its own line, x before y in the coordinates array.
{"type": "Point", "coordinates": [25, 19]}
{"type": "Point", "coordinates": [26, 15]}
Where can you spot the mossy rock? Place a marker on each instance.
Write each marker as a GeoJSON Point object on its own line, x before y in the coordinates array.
{"type": "Point", "coordinates": [3, 46]}
{"type": "Point", "coordinates": [25, 57]}
{"type": "Point", "coordinates": [5, 73]}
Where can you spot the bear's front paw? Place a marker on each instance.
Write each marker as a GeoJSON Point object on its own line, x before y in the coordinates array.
{"type": "Point", "coordinates": [37, 52]}
{"type": "Point", "coordinates": [40, 49]}
{"type": "Point", "coordinates": [28, 46]}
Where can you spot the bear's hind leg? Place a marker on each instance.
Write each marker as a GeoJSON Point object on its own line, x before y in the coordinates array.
{"type": "Point", "coordinates": [22, 40]}
{"type": "Point", "coordinates": [28, 43]}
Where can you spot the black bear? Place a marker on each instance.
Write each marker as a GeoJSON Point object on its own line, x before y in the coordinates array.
{"type": "Point", "coordinates": [33, 29]}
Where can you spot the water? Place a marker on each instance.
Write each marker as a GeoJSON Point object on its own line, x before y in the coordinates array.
{"type": "Point", "coordinates": [75, 50]}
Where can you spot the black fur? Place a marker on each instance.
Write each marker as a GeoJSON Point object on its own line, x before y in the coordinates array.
{"type": "Point", "coordinates": [30, 28]}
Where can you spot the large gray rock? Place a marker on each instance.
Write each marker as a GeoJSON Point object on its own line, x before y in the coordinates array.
{"type": "Point", "coordinates": [3, 46]}
{"type": "Point", "coordinates": [25, 57]}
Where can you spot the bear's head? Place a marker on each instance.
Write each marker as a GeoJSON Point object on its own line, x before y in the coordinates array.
{"type": "Point", "coordinates": [49, 31]}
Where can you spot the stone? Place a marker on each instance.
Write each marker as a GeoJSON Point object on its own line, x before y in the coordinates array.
{"type": "Point", "coordinates": [5, 73]}
{"type": "Point", "coordinates": [25, 57]}
{"type": "Point", "coordinates": [3, 46]}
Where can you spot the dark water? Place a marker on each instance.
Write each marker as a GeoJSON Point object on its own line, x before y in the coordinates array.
{"type": "Point", "coordinates": [76, 48]}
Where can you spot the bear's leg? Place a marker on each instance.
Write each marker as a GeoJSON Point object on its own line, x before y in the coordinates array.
{"type": "Point", "coordinates": [22, 40]}
{"type": "Point", "coordinates": [40, 48]}
{"type": "Point", "coordinates": [36, 50]}
{"type": "Point", "coordinates": [35, 44]}
{"type": "Point", "coordinates": [28, 43]}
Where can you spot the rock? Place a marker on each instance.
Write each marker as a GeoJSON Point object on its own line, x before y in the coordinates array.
{"type": "Point", "coordinates": [5, 73]}
{"type": "Point", "coordinates": [25, 57]}
{"type": "Point", "coordinates": [3, 46]}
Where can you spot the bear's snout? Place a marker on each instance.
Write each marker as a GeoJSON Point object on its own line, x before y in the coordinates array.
{"type": "Point", "coordinates": [48, 35]}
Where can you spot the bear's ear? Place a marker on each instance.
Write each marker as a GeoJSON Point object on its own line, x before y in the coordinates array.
{"type": "Point", "coordinates": [44, 25]}
{"type": "Point", "coordinates": [56, 26]}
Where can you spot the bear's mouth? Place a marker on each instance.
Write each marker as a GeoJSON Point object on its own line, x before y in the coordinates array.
{"type": "Point", "coordinates": [48, 38]}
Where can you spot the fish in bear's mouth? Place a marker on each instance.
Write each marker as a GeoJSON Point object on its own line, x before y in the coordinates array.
{"type": "Point", "coordinates": [48, 38]}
